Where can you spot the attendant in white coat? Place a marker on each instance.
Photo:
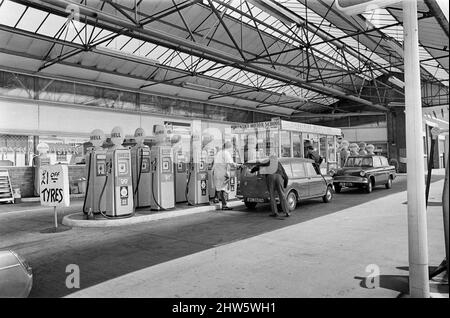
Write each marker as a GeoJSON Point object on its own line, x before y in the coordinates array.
{"type": "Point", "coordinates": [223, 160]}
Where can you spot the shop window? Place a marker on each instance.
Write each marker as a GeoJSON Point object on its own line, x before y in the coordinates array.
{"type": "Point", "coordinates": [273, 142]}
{"type": "Point", "coordinates": [56, 91]}
{"type": "Point", "coordinates": [16, 85]}
{"type": "Point", "coordinates": [153, 104]}
{"type": "Point", "coordinates": [285, 143]}
{"type": "Point", "coordinates": [331, 149]}
{"type": "Point", "coordinates": [323, 147]}
{"type": "Point", "coordinates": [296, 145]}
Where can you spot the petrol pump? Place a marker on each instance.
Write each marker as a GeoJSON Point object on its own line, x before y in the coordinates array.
{"type": "Point", "coordinates": [181, 166]}
{"type": "Point", "coordinates": [118, 186]}
{"type": "Point", "coordinates": [161, 157]}
{"type": "Point", "coordinates": [232, 184]}
{"type": "Point", "coordinates": [197, 187]}
{"type": "Point", "coordinates": [42, 159]}
{"type": "Point", "coordinates": [96, 174]}
{"type": "Point", "coordinates": [140, 168]}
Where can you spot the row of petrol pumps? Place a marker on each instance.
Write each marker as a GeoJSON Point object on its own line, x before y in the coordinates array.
{"type": "Point", "coordinates": [122, 178]}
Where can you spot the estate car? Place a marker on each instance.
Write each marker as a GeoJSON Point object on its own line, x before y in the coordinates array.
{"type": "Point", "coordinates": [304, 183]}
{"type": "Point", "coordinates": [364, 172]}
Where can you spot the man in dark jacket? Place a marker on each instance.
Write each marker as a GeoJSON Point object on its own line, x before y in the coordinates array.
{"type": "Point", "coordinates": [276, 180]}
{"type": "Point", "coordinates": [314, 155]}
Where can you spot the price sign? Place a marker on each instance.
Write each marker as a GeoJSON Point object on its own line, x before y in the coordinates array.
{"type": "Point", "coordinates": [54, 185]}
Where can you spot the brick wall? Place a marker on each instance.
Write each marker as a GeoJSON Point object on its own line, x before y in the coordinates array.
{"type": "Point", "coordinates": [22, 177]}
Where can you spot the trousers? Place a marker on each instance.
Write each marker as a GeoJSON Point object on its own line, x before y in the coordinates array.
{"type": "Point", "coordinates": [275, 186]}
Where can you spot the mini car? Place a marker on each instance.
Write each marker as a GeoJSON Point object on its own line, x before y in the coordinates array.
{"type": "Point", "coordinates": [16, 276]}
{"type": "Point", "coordinates": [304, 183]}
{"type": "Point", "coordinates": [364, 172]}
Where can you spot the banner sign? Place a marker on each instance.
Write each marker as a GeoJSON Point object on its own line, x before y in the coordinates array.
{"type": "Point", "coordinates": [273, 124]}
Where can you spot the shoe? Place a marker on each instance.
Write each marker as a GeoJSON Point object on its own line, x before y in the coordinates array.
{"type": "Point", "coordinates": [274, 214]}
{"type": "Point", "coordinates": [287, 214]}
{"type": "Point", "coordinates": [227, 208]}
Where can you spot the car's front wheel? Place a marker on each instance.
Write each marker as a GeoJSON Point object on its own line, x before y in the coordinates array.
{"type": "Point", "coordinates": [291, 201]}
{"type": "Point", "coordinates": [388, 185]}
{"type": "Point", "coordinates": [250, 205]}
{"type": "Point", "coordinates": [328, 195]}
{"type": "Point", "coordinates": [369, 187]}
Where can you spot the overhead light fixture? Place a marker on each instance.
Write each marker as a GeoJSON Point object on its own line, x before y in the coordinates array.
{"type": "Point", "coordinates": [394, 80]}
{"type": "Point", "coordinates": [127, 56]}
{"type": "Point", "coordinates": [199, 87]}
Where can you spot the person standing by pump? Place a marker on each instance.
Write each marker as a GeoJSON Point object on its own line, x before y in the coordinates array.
{"type": "Point", "coordinates": [223, 160]}
{"type": "Point", "coordinates": [276, 180]}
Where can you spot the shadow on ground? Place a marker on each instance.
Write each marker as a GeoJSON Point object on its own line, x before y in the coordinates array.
{"type": "Point", "coordinates": [398, 283]}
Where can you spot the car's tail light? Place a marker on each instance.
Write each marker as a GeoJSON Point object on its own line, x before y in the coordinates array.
{"type": "Point", "coordinates": [24, 263]}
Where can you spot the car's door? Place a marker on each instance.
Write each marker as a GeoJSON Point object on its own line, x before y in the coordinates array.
{"type": "Point", "coordinates": [317, 185]}
{"type": "Point", "coordinates": [386, 165]}
{"type": "Point", "coordinates": [300, 179]}
{"type": "Point", "coordinates": [379, 172]}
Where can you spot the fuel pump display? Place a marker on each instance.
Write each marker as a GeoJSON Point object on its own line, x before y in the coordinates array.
{"type": "Point", "coordinates": [96, 174]}
{"type": "Point", "coordinates": [197, 191]}
{"type": "Point", "coordinates": [181, 155]}
{"type": "Point", "coordinates": [161, 156]}
{"type": "Point", "coordinates": [118, 187]}
{"type": "Point", "coordinates": [181, 175]}
{"type": "Point", "coordinates": [140, 168]}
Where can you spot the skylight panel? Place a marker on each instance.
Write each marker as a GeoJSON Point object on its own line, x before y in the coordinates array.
{"type": "Point", "coordinates": [10, 13]}
{"type": "Point", "coordinates": [131, 46]}
{"type": "Point", "coordinates": [52, 25]}
{"type": "Point", "coordinates": [31, 19]}
{"type": "Point", "coordinates": [118, 42]}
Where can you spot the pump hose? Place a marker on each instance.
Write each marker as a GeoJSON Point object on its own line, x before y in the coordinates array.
{"type": "Point", "coordinates": [87, 184]}
{"type": "Point", "coordinates": [153, 193]}
{"type": "Point", "coordinates": [186, 192]}
{"type": "Point", "coordinates": [139, 177]}
{"type": "Point", "coordinates": [103, 213]}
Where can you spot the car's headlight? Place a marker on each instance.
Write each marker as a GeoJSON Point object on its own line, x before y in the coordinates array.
{"type": "Point", "coordinates": [332, 172]}
{"type": "Point", "coordinates": [362, 173]}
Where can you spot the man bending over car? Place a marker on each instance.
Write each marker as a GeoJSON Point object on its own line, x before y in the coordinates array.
{"type": "Point", "coordinates": [276, 180]}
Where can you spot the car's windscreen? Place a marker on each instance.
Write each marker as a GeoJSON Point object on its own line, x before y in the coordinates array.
{"type": "Point", "coordinates": [359, 162]}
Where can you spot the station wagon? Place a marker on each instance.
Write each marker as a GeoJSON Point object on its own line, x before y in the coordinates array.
{"type": "Point", "coordinates": [304, 183]}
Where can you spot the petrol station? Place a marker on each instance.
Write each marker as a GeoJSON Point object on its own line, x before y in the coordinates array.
{"type": "Point", "coordinates": [134, 103]}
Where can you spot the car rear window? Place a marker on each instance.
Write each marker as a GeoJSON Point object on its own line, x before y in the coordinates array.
{"type": "Point", "coordinates": [298, 170]}
{"type": "Point", "coordinates": [310, 168]}
{"type": "Point", "coordinates": [287, 168]}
